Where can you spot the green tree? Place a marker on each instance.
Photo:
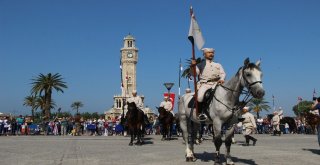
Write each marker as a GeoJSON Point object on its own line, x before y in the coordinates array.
{"type": "Point", "coordinates": [30, 101]}
{"type": "Point", "coordinates": [43, 86]}
{"type": "Point", "coordinates": [302, 107]}
{"type": "Point", "coordinates": [258, 105]}
{"type": "Point", "coordinates": [76, 105]}
{"type": "Point", "coordinates": [187, 70]}
{"type": "Point", "coordinates": [41, 103]}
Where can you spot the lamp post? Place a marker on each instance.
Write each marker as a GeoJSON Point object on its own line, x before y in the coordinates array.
{"type": "Point", "coordinates": [168, 86]}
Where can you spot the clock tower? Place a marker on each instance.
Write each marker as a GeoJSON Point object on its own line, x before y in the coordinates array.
{"type": "Point", "coordinates": [129, 59]}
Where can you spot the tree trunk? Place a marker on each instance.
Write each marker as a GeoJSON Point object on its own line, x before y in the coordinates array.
{"type": "Point", "coordinates": [258, 115]}
{"type": "Point", "coordinates": [32, 113]}
{"type": "Point", "coordinates": [48, 104]}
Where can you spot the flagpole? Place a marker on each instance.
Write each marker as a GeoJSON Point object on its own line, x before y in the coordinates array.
{"type": "Point", "coordinates": [194, 71]}
{"type": "Point", "coordinates": [274, 108]}
{"type": "Point", "coordinates": [122, 90]}
{"type": "Point", "coordinates": [179, 77]}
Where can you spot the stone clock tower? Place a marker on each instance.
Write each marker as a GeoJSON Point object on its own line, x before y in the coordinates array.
{"type": "Point", "coordinates": [129, 59]}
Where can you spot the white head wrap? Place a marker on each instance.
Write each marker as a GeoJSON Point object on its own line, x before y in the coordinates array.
{"type": "Point", "coordinates": [134, 91]}
{"type": "Point", "coordinates": [247, 108]}
{"type": "Point", "coordinates": [207, 50]}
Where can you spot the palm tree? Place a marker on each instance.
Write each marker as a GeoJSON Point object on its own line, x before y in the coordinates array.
{"type": "Point", "coordinates": [41, 103]}
{"type": "Point", "coordinates": [76, 105]}
{"type": "Point", "coordinates": [43, 86]}
{"type": "Point", "coordinates": [187, 70]}
{"type": "Point", "coordinates": [30, 101]}
{"type": "Point", "coordinates": [258, 105]}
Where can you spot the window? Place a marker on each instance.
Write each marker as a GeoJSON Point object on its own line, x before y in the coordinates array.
{"type": "Point", "coordinates": [129, 43]}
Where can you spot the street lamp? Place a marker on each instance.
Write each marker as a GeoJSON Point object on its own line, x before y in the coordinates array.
{"type": "Point", "coordinates": [168, 86]}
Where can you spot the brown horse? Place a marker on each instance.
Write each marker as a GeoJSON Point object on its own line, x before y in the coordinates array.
{"type": "Point", "coordinates": [166, 120]}
{"type": "Point", "coordinates": [290, 120]}
{"type": "Point", "coordinates": [313, 120]}
{"type": "Point", "coordinates": [135, 123]}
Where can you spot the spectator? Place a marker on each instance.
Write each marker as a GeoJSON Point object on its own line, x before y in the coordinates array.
{"type": "Point", "coordinates": [316, 106]}
{"type": "Point", "coordinates": [286, 128]}
{"type": "Point", "coordinates": [20, 121]}
{"type": "Point", "coordinates": [64, 124]}
{"type": "Point", "coordinates": [249, 124]}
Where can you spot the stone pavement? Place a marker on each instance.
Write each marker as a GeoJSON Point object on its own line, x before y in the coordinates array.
{"type": "Point", "coordinates": [94, 150]}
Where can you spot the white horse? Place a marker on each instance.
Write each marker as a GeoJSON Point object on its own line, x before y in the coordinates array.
{"type": "Point", "coordinates": [224, 108]}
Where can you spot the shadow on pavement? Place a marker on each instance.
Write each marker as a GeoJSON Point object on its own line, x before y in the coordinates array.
{"type": "Point", "coordinates": [147, 142]}
{"type": "Point", "coordinates": [244, 161]}
{"type": "Point", "coordinates": [314, 151]}
{"type": "Point", "coordinates": [206, 157]}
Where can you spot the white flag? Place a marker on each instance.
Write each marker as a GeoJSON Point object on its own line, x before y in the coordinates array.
{"type": "Point", "coordinates": [195, 35]}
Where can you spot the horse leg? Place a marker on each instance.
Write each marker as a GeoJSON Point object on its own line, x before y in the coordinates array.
{"type": "Point", "coordinates": [170, 131]}
{"type": "Point", "coordinates": [138, 132]}
{"type": "Point", "coordinates": [217, 139]}
{"type": "Point", "coordinates": [139, 137]}
{"type": "Point", "coordinates": [228, 142]}
{"type": "Point", "coordinates": [186, 134]}
{"type": "Point", "coordinates": [164, 132]}
{"type": "Point", "coordinates": [191, 138]}
{"type": "Point", "coordinates": [197, 133]}
{"type": "Point", "coordinates": [132, 137]}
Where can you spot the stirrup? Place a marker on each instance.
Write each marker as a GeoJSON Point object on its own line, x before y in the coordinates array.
{"type": "Point", "coordinates": [202, 117]}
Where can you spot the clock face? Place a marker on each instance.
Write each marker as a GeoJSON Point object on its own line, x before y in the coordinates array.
{"type": "Point", "coordinates": [130, 55]}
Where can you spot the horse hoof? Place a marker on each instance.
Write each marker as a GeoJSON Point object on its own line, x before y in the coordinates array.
{"type": "Point", "coordinates": [138, 143]}
{"type": "Point", "coordinates": [130, 144]}
{"type": "Point", "coordinates": [190, 159]}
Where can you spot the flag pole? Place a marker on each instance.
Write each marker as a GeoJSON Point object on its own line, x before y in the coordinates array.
{"type": "Point", "coordinates": [122, 90]}
{"type": "Point", "coordinates": [180, 67]}
{"type": "Point", "coordinates": [194, 70]}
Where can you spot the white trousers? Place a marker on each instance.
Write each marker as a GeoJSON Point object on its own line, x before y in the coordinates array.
{"type": "Point", "coordinates": [203, 88]}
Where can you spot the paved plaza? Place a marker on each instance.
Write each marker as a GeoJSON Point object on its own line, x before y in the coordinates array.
{"type": "Point", "coordinates": [98, 150]}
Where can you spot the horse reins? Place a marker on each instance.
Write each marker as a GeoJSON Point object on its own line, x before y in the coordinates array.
{"type": "Point", "coordinates": [247, 93]}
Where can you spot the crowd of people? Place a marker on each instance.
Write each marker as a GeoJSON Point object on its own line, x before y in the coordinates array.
{"type": "Point", "coordinates": [69, 126]}
{"type": "Point", "coordinates": [112, 126]}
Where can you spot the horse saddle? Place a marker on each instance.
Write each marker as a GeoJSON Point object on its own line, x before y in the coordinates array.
{"type": "Point", "coordinates": [208, 95]}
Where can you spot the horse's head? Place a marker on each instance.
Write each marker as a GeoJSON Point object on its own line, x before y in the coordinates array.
{"type": "Point", "coordinates": [131, 106]}
{"type": "Point", "coordinates": [162, 112]}
{"type": "Point", "coordinates": [252, 78]}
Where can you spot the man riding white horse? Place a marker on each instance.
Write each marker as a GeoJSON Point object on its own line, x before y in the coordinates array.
{"type": "Point", "coordinates": [210, 74]}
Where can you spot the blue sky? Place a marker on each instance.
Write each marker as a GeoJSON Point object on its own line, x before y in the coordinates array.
{"type": "Point", "coordinates": [81, 40]}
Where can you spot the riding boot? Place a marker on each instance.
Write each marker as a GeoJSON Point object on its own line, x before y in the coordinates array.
{"type": "Point", "coordinates": [247, 140]}
{"type": "Point", "coordinates": [201, 116]}
{"type": "Point", "coordinates": [253, 139]}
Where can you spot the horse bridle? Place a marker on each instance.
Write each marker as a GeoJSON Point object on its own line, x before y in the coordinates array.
{"type": "Point", "coordinates": [247, 82]}
{"type": "Point", "coordinates": [247, 98]}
